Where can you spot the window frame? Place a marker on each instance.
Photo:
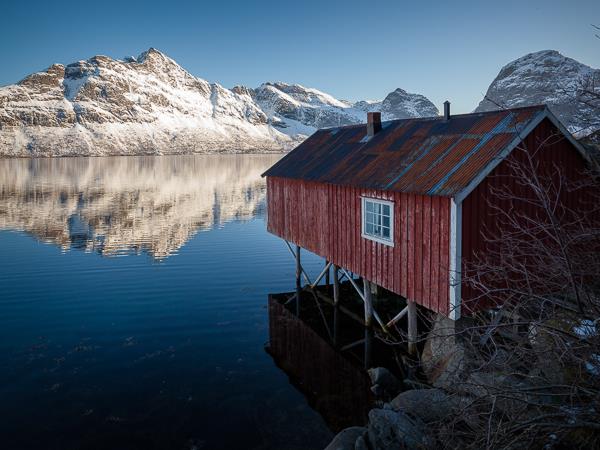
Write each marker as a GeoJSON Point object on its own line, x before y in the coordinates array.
{"type": "Point", "coordinates": [363, 205]}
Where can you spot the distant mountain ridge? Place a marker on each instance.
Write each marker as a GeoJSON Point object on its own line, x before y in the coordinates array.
{"type": "Point", "coordinates": [296, 109]}
{"type": "Point", "coordinates": [550, 78]}
{"type": "Point", "coordinates": [151, 105]}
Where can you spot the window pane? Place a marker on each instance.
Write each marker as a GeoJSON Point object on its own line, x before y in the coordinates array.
{"type": "Point", "coordinates": [377, 219]}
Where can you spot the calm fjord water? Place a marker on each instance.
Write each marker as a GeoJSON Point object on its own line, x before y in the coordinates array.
{"type": "Point", "coordinates": [133, 296]}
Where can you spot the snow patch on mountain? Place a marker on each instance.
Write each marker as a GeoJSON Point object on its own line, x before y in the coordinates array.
{"type": "Point", "coordinates": [548, 77]}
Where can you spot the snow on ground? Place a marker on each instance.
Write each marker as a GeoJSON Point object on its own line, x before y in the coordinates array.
{"type": "Point", "coordinates": [586, 328]}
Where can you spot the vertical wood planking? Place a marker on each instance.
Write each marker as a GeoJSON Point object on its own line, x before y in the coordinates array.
{"type": "Point", "coordinates": [435, 253]}
{"type": "Point", "coordinates": [404, 248]}
{"type": "Point", "coordinates": [410, 260]}
{"type": "Point", "coordinates": [426, 252]}
{"type": "Point", "coordinates": [326, 220]}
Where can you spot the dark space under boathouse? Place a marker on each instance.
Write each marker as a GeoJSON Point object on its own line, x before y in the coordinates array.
{"type": "Point", "coordinates": [402, 204]}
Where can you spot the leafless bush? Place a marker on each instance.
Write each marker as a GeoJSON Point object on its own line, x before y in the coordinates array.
{"type": "Point", "coordinates": [531, 370]}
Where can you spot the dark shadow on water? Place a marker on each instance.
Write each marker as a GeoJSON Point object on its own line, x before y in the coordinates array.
{"type": "Point", "coordinates": [312, 350]}
{"type": "Point", "coordinates": [334, 385]}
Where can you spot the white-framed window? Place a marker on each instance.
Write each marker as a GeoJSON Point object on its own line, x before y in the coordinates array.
{"type": "Point", "coordinates": [378, 220]}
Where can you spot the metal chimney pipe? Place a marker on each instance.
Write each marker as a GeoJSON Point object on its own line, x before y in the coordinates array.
{"type": "Point", "coordinates": [446, 110]}
{"type": "Point", "coordinates": [373, 123]}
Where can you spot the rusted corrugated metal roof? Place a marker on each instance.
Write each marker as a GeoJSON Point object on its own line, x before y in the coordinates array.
{"type": "Point", "coordinates": [430, 156]}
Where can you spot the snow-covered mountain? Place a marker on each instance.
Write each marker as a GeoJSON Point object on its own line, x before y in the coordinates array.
{"type": "Point", "coordinates": [295, 109]}
{"type": "Point", "coordinates": [141, 105]}
{"type": "Point", "coordinates": [571, 89]}
{"type": "Point", "coordinates": [151, 105]}
{"type": "Point", "coordinates": [400, 104]}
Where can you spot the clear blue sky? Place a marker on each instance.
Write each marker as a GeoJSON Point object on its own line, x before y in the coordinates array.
{"type": "Point", "coordinates": [351, 49]}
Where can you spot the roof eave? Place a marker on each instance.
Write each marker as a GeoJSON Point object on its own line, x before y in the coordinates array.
{"type": "Point", "coordinates": [545, 114]}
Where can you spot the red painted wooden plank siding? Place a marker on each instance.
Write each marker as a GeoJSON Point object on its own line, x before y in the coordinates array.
{"type": "Point", "coordinates": [478, 208]}
{"type": "Point", "coordinates": [326, 219]}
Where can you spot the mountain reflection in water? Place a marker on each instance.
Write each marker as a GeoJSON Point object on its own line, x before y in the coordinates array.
{"type": "Point", "coordinates": [119, 205]}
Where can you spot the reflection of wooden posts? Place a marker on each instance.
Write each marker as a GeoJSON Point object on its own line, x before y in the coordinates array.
{"type": "Point", "coordinates": [368, 342]}
{"type": "Point", "coordinates": [412, 327]}
{"type": "Point", "coordinates": [327, 278]}
{"type": "Point", "coordinates": [336, 303]}
{"type": "Point", "coordinates": [368, 300]}
{"type": "Point", "coordinates": [336, 314]}
{"type": "Point", "coordinates": [336, 285]}
{"type": "Point", "coordinates": [298, 280]}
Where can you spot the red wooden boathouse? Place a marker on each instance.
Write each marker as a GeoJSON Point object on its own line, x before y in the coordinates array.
{"type": "Point", "coordinates": [403, 203]}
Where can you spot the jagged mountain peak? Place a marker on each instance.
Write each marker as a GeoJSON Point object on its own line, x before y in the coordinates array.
{"type": "Point", "coordinates": [400, 104]}
{"type": "Point", "coordinates": [151, 52]}
{"type": "Point", "coordinates": [551, 78]}
{"type": "Point", "coordinates": [153, 55]}
{"type": "Point", "coordinates": [403, 105]}
{"type": "Point", "coordinates": [542, 64]}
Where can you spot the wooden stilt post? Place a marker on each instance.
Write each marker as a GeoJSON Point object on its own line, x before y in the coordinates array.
{"type": "Point", "coordinates": [368, 321]}
{"type": "Point", "coordinates": [336, 303]}
{"type": "Point", "coordinates": [368, 303]}
{"type": "Point", "coordinates": [412, 328]}
{"type": "Point", "coordinates": [298, 280]}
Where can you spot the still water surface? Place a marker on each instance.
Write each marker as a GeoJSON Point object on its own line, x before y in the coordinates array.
{"type": "Point", "coordinates": [133, 294]}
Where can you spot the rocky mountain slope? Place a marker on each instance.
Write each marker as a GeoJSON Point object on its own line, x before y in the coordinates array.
{"type": "Point", "coordinates": [571, 89]}
{"type": "Point", "coordinates": [150, 105]}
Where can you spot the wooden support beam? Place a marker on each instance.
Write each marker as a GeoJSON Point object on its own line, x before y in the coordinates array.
{"type": "Point", "coordinates": [369, 313]}
{"type": "Point", "coordinates": [368, 300]}
{"type": "Point", "coordinates": [291, 299]}
{"type": "Point", "coordinates": [412, 327]}
{"type": "Point", "coordinates": [353, 283]}
{"type": "Point", "coordinates": [353, 344]}
{"type": "Point", "coordinates": [323, 272]}
{"type": "Point", "coordinates": [362, 296]}
{"type": "Point", "coordinates": [294, 255]}
{"type": "Point", "coordinates": [398, 316]}
{"type": "Point", "coordinates": [298, 280]}
{"type": "Point", "coordinates": [342, 308]}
